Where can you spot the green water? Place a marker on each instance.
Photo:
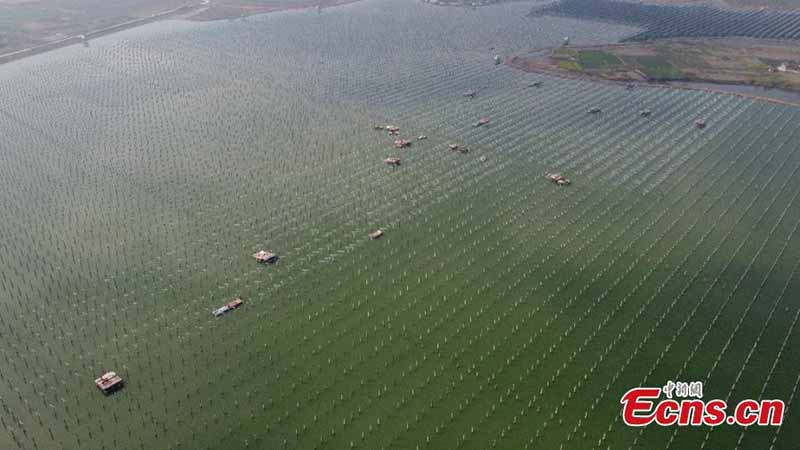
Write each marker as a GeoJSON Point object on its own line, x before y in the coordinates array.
{"type": "Point", "coordinates": [138, 175]}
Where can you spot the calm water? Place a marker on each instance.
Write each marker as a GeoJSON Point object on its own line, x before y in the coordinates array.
{"type": "Point", "coordinates": [138, 175]}
{"type": "Point", "coordinates": [758, 91]}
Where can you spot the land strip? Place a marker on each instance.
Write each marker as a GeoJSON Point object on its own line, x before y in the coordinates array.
{"type": "Point", "coordinates": [730, 61]}
{"type": "Point", "coordinates": [30, 27]}
{"type": "Point", "coordinates": [228, 9]}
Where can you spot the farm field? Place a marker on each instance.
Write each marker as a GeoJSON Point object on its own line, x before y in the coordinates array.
{"type": "Point", "coordinates": [139, 175]}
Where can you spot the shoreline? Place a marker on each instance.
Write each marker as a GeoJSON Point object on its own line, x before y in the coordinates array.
{"type": "Point", "coordinates": [190, 11]}
{"type": "Point", "coordinates": [213, 11]}
{"type": "Point", "coordinates": [513, 63]}
{"type": "Point", "coordinates": [84, 38]}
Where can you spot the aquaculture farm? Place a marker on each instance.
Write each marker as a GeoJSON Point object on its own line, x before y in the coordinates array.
{"type": "Point", "coordinates": [139, 176]}
{"type": "Point", "coordinates": [673, 21]}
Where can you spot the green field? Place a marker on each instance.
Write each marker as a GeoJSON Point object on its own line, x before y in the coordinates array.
{"type": "Point", "coordinates": [138, 175]}
{"type": "Point", "coordinates": [657, 67]}
{"type": "Point", "coordinates": [595, 59]}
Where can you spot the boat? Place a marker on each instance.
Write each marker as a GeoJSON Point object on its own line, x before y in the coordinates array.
{"type": "Point", "coordinates": [481, 122]}
{"type": "Point", "coordinates": [645, 113]}
{"type": "Point", "coordinates": [535, 84]}
{"type": "Point", "coordinates": [558, 179]}
{"type": "Point", "coordinates": [497, 60]}
{"type": "Point", "coordinates": [392, 161]}
{"type": "Point", "coordinates": [470, 94]}
{"type": "Point", "coordinates": [230, 306]}
{"type": "Point", "coordinates": [402, 143]}
{"type": "Point", "coordinates": [376, 234]}
{"type": "Point", "coordinates": [595, 110]}
{"type": "Point", "coordinates": [482, 159]}
{"type": "Point", "coordinates": [422, 137]}
{"type": "Point", "coordinates": [109, 382]}
{"type": "Point", "coordinates": [700, 124]}
{"type": "Point", "coordinates": [453, 147]}
{"type": "Point", "coordinates": [265, 257]}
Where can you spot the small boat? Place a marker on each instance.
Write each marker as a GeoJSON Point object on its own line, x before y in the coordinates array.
{"type": "Point", "coordinates": [481, 122]}
{"type": "Point", "coordinates": [535, 84]}
{"type": "Point", "coordinates": [265, 257]}
{"type": "Point", "coordinates": [402, 143]}
{"type": "Point", "coordinates": [109, 382]}
{"type": "Point", "coordinates": [645, 113]}
{"type": "Point", "coordinates": [376, 234]}
{"type": "Point", "coordinates": [700, 124]}
{"type": "Point", "coordinates": [558, 179]}
{"type": "Point", "coordinates": [453, 147]}
{"type": "Point", "coordinates": [482, 159]}
{"type": "Point", "coordinates": [595, 110]}
{"type": "Point", "coordinates": [422, 137]}
{"type": "Point", "coordinates": [230, 306]}
{"type": "Point", "coordinates": [470, 94]}
{"type": "Point", "coordinates": [497, 60]}
{"type": "Point", "coordinates": [392, 161]}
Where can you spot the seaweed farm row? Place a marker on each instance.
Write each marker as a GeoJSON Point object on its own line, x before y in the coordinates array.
{"type": "Point", "coordinates": [668, 21]}
{"type": "Point", "coordinates": [139, 176]}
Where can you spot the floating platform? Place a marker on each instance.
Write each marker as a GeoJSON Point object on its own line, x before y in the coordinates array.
{"type": "Point", "coordinates": [458, 148]}
{"type": "Point", "coordinates": [109, 382]}
{"type": "Point", "coordinates": [265, 257]}
{"type": "Point", "coordinates": [558, 179]}
{"type": "Point", "coordinates": [376, 234]}
{"type": "Point", "coordinates": [230, 306]}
